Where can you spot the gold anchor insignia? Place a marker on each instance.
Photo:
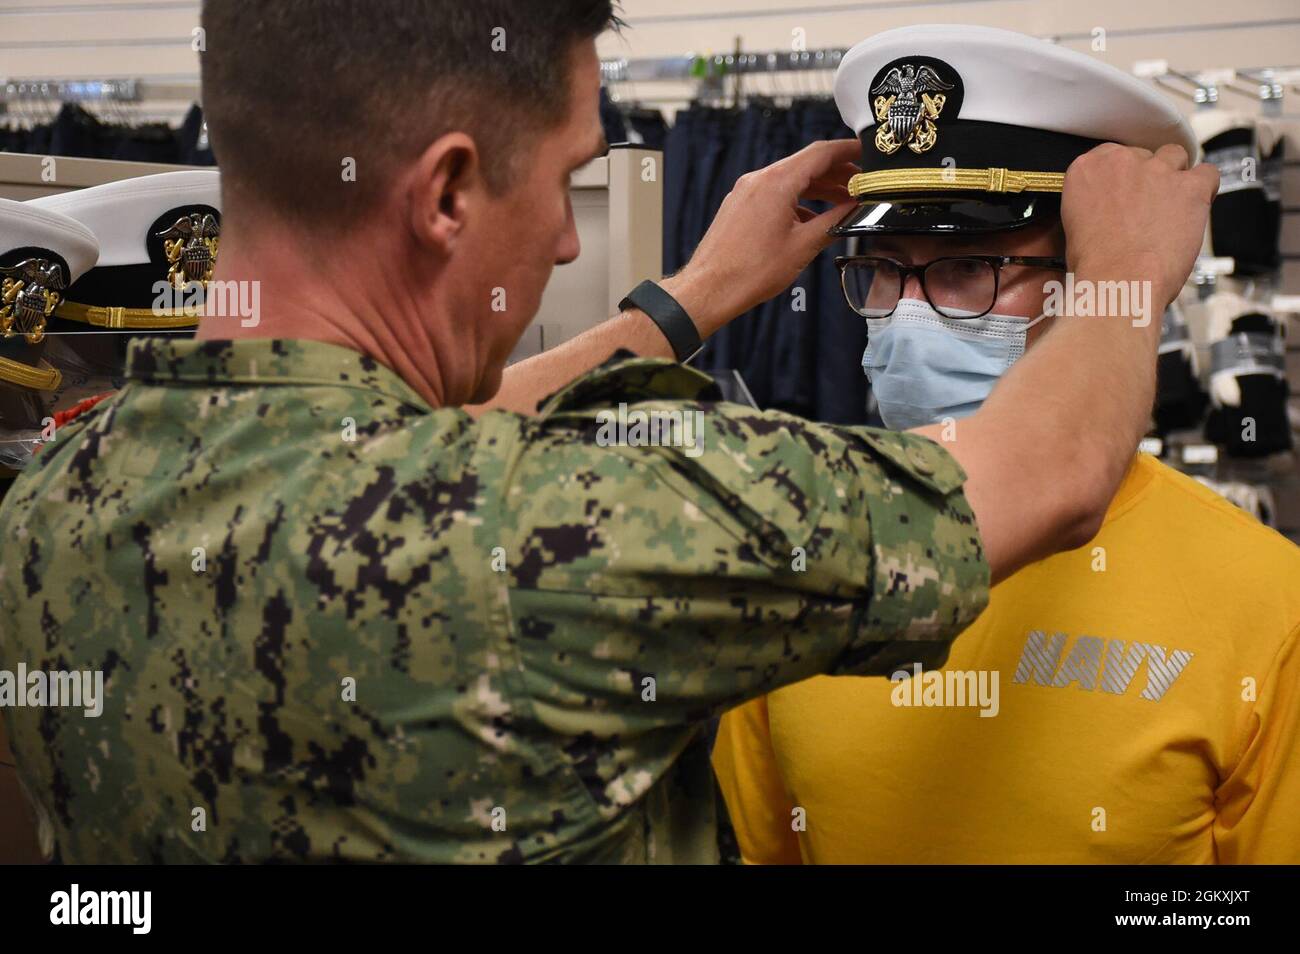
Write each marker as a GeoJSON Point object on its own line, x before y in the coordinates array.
{"type": "Point", "coordinates": [29, 293]}
{"type": "Point", "coordinates": [191, 246]}
{"type": "Point", "coordinates": [906, 111]}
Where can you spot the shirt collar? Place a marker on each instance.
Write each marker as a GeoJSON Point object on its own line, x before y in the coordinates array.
{"type": "Point", "coordinates": [264, 361]}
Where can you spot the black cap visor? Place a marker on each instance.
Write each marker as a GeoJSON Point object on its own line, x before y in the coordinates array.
{"type": "Point", "coordinates": [948, 213]}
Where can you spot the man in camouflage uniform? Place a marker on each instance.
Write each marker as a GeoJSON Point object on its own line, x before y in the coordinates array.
{"type": "Point", "coordinates": [340, 617]}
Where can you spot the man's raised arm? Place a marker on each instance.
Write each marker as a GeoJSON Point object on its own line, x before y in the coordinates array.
{"type": "Point", "coordinates": [1038, 483]}
{"type": "Point", "coordinates": [1046, 452]}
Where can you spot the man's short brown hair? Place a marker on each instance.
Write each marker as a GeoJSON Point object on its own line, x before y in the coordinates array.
{"type": "Point", "coordinates": [294, 89]}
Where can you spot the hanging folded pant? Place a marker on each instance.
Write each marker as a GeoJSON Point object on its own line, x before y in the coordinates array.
{"type": "Point", "coordinates": [1180, 400]}
{"type": "Point", "coordinates": [1244, 222]}
{"type": "Point", "coordinates": [1248, 387]}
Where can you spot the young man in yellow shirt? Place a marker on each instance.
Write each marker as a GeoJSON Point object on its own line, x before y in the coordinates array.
{"type": "Point", "coordinates": [1136, 700]}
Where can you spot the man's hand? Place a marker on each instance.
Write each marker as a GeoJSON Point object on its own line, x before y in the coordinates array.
{"type": "Point", "coordinates": [1131, 213]}
{"type": "Point", "coordinates": [762, 238]}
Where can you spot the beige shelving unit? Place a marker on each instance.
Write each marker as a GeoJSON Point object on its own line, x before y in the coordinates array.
{"type": "Point", "coordinates": [24, 177]}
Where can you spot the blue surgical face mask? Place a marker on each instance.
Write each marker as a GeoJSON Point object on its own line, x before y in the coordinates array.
{"type": "Point", "coordinates": [925, 367]}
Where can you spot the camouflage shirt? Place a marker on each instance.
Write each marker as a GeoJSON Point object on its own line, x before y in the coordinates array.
{"type": "Point", "coordinates": [337, 624]}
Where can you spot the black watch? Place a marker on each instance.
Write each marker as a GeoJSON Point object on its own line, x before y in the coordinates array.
{"type": "Point", "coordinates": [671, 318]}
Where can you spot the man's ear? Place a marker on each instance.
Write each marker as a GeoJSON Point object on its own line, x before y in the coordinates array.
{"type": "Point", "coordinates": [446, 183]}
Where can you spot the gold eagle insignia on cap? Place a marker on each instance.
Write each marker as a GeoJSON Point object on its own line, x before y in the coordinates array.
{"type": "Point", "coordinates": [191, 247]}
{"type": "Point", "coordinates": [905, 111]}
{"type": "Point", "coordinates": [29, 293]}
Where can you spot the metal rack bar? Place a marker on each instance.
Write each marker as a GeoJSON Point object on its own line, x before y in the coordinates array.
{"type": "Point", "coordinates": [693, 66]}
{"type": "Point", "coordinates": [95, 90]}
{"type": "Point", "coordinates": [1267, 84]}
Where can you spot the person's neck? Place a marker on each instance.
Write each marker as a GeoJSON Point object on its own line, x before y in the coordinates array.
{"type": "Point", "coordinates": [334, 301]}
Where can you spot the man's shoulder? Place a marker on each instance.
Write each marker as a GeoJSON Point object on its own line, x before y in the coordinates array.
{"type": "Point", "coordinates": [627, 378]}
{"type": "Point", "coordinates": [629, 400]}
{"type": "Point", "coordinates": [1214, 519]}
{"type": "Point", "coordinates": [185, 446]}
{"type": "Point", "coordinates": [1213, 546]}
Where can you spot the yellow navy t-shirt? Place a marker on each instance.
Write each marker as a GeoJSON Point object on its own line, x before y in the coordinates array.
{"type": "Point", "coordinates": [1132, 701]}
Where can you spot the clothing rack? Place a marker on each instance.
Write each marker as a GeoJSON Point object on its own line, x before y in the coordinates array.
{"type": "Point", "coordinates": [120, 97]}
{"type": "Point", "coordinates": [710, 72]}
{"type": "Point", "coordinates": [618, 70]}
{"type": "Point", "coordinates": [96, 90]}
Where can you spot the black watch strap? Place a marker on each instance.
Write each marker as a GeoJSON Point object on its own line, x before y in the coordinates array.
{"type": "Point", "coordinates": [671, 318]}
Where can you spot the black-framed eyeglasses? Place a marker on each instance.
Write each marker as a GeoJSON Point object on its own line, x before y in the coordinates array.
{"type": "Point", "coordinates": [957, 286]}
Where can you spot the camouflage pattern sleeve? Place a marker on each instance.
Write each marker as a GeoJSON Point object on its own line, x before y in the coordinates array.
{"type": "Point", "coordinates": [769, 550]}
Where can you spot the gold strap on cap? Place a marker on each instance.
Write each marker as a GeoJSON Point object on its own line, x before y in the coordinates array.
{"type": "Point", "coordinates": [966, 180]}
{"type": "Point", "coordinates": [44, 378]}
{"type": "Point", "coordinates": [131, 319]}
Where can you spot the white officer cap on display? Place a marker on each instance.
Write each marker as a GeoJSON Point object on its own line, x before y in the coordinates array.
{"type": "Point", "coordinates": [970, 129]}
{"type": "Point", "coordinates": [42, 253]}
{"type": "Point", "coordinates": [121, 214]}
{"type": "Point", "coordinates": [27, 231]}
{"type": "Point", "coordinates": [151, 229]}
